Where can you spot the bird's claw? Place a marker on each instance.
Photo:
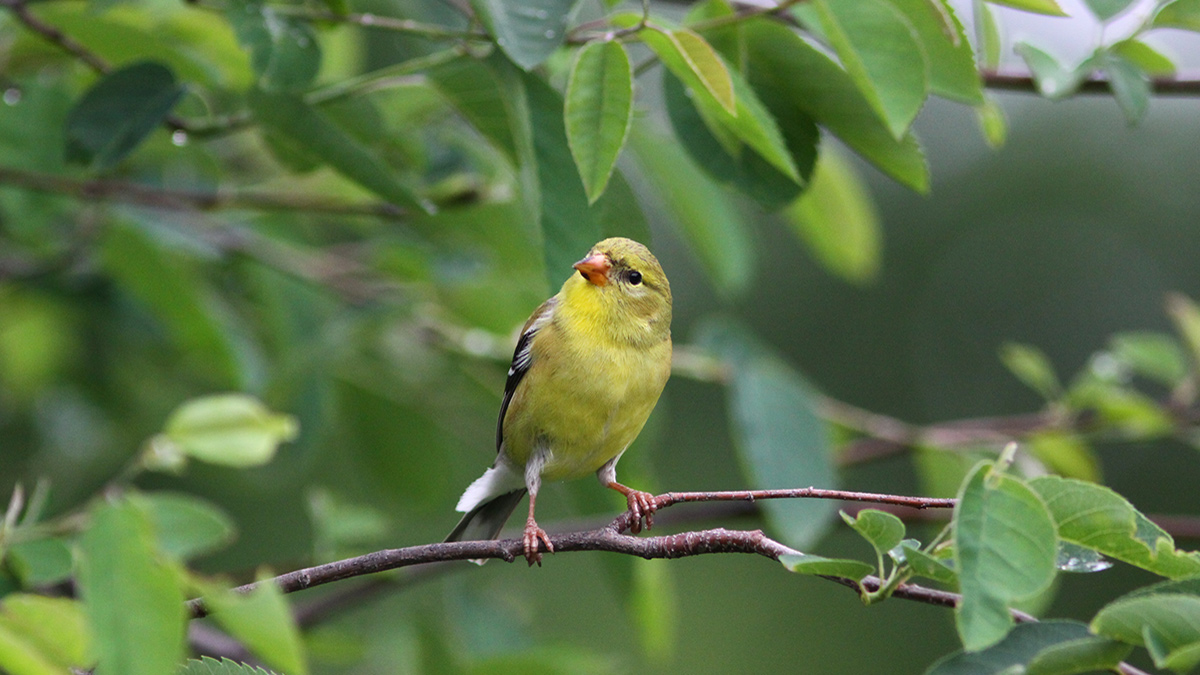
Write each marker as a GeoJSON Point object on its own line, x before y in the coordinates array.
{"type": "Point", "coordinates": [642, 505]}
{"type": "Point", "coordinates": [534, 537]}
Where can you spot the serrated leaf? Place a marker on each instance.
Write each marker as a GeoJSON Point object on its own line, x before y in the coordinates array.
{"type": "Point", "coordinates": [55, 629]}
{"type": "Point", "coordinates": [1019, 647]}
{"type": "Point", "coordinates": [780, 440]}
{"type": "Point", "coordinates": [923, 564]}
{"type": "Point", "coordinates": [1047, 7]}
{"type": "Point", "coordinates": [599, 110]}
{"type": "Point", "coordinates": [952, 71]}
{"type": "Point", "coordinates": [1147, 58]}
{"type": "Point", "coordinates": [1184, 14]}
{"type": "Point", "coordinates": [209, 666]}
{"type": "Point", "coordinates": [1095, 517]}
{"type": "Point", "coordinates": [881, 529]}
{"type": "Point", "coordinates": [1005, 547]}
{"type": "Point", "coordinates": [1032, 367]}
{"type": "Point", "coordinates": [691, 59]}
{"type": "Point", "coordinates": [836, 219]}
{"type": "Point", "coordinates": [288, 114]}
{"type": "Point", "coordinates": [1167, 624]}
{"type": "Point", "coordinates": [262, 621]}
{"type": "Point", "coordinates": [119, 112]}
{"type": "Point", "coordinates": [528, 31]}
{"type": "Point", "coordinates": [800, 76]}
{"type": "Point", "coordinates": [284, 52]}
{"type": "Point", "coordinates": [701, 212]}
{"type": "Point", "coordinates": [836, 567]}
{"type": "Point", "coordinates": [186, 526]}
{"type": "Point", "coordinates": [1083, 655]}
{"type": "Point", "coordinates": [1129, 85]}
{"type": "Point", "coordinates": [228, 429]}
{"type": "Point", "coordinates": [134, 602]}
{"type": "Point", "coordinates": [876, 44]}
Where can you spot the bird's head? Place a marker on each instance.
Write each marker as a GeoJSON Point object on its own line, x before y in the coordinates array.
{"type": "Point", "coordinates": [624, 279]}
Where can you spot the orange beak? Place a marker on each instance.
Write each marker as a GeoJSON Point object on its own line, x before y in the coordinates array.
{"type": "Point", "coordinates": [595, 268]}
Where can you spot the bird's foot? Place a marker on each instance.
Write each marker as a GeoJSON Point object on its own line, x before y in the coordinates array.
{"type": "Point", "coordinates": [642, 505]}
{"type": "Point", "coordinates": [534, 537]}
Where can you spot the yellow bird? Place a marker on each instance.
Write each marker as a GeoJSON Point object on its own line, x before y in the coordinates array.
{"type": "Point", "coordinates": [588, 368]}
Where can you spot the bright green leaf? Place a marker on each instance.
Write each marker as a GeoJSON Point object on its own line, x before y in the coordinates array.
{"type": "Point", "coordinates": [1157, 356]}
{"type": "Point", "coordinates": [54, 628]}
{"type": "Point", "coordinates": [1019, 648]}
{"type": "Point", "coordinates": [836, 567]}
{"type": "Point", "coordinates": [19, 657]}
{"type": "Point", "coordinates": [925, 565]}
{"type": "Point", "coordinates": [876, 44]}
{"type": "Point", "coordinates": [988, 32]}
{"type": "Point", "coordinates": [134, 601]}
{"type": "Point", "coordinates": [701, 212]}
{"type": "Point", "coordinates": [691, 59]}
{"type": "Point", "coordinates": [993, 123]}
{"type": "Point", "coordinates": [262, 621]}
{"type": "Point", "coordinates": [1005, 548]}
{"type": "Point", "coordinates": [881, 529]}
{"type": "Point", "coordinates": [119, 112]}
{"type": "Point", "coordinates": [952, 71]}
{"type": "Point", "coordinates": [40, 562]}
{"type": "Point", "coordinates": [528, 31]}
{"type": "Point", "coordinates": [1183, 14]}
{"type": "Point", "coordinates": [800, 76]}
{"type": "Point", "coordinates": [186, 526]}
{"type": "Point", "coordinates": [836, 219]}
{"type": "Point", "coordinates": [780, 440]}
{"type": "Point", "coordinates": [1065, 454]}
{"type": "Point", "coordinates": [210, 666]}
{"type": "Point", "coordinates": [1167, 624]}
{"type": "Point", "coordinates": [1095, 517]}
{"type": "Point", "coordinates": [1047, 7]}
{"type": "Point", "coordinates": [599, 110]}
{"type": "Point", "coordinates": [1032, 367]}
{"type": "Point", "coordinates": [1147, 58]}
{"type": "Point", "coordinates": [284, 51]}
{"type": "Point", "coordinates": [228, 429]}
{"type": "Point", "coordinates": [289, 115]}
{"type": "Point", "coordinates": [1129, 85]}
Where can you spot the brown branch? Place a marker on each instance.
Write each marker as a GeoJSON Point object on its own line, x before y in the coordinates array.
{"type": "Point", "coordinates": [805, 493]}
{"type": "Point", "coordinates": [1024, 82]}
{"type": "Point", "coordinates": [20, 9]}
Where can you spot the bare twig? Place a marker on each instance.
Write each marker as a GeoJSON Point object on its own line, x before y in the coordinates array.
{"type": "Point", "coordinates": [20, 9]}
{"type": "Point", "coordinates": [1024, 82]}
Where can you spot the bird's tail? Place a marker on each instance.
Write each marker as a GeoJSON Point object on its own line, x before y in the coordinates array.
{"type": "Point", "coordinates": [486, 519]}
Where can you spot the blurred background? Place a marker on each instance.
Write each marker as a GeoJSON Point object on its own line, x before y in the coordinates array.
{"type": "Point", "coordinates": [1074, 230]}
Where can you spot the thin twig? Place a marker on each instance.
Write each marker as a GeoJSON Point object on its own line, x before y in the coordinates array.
{"type": "Point", "coordinates": [806, 493]}
{"type": "Point", "coordinates": [1024, 82]}
{"type": "Point", "coordinates": [20, 9]}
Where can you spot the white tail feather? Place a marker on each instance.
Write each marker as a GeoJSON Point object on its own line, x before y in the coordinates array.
{"type": "Point", "coordinates": [495, 481]}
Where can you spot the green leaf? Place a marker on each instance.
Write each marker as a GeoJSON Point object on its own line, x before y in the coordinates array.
{"type": "Point", "coordinates": [1123, 408]}
{"type": "Point", "coordinates": [1183, 14]}
{"type": "Point", "coordinates": [134, 601]}
{"type": "Point", "coordinates": [119, 112]}
{"type": "Point", "coordinates": [1107, 9]}
{"type": "Point", "coordinates": [1157, 356]}
{"type": "Point", "coordinates": [1053, 80]}
{"type": "Point", "coordinates": [836, 567]}
{"type": "Point", "coordinates": [1047, 7]}
{"type": "Point", "coordinates": [1083, 655]}
{"type": "Point", "coordinates": [1005, 548]}
{"type": "Point", "coordinates": [262, 621]}
{"type": "Point", "coordinates": [1066, 454]}
{"type": "Point", "coordinates": [1032, 367]}
{"type": "Point", "coordinates": [836, 219]}
{"type": "Point", "coordinates": [599, 110]}
{"type": "Point", "coordinates": [1129, 85]}
{"type": "Point", "coordinates": [40, 562]}
{"type": "Point", "coordinates": [654, 605]}
{"type": "Point", "coordinates": [227, 429]}
{"type": "Point", "coordinates": [952, 71]}
{"type": "Point", "coordinates": [1186, 316]}
{"type": "Point", "coordinates": [881, 529]}
{"type": "Point", "coordinates": [186, 526]}
{"type": "Point", "coordinates": [209, 666]}
{"type": "Point", "coordinates": [799, 76]}
{"type": "Point", "coordinates": [780, 440]}
{"type": "Point", "coordinates": [1020, 648]}
{"type": "Point", "coordinates": [53, 629]}
{"type": "Point", "coordinates": [993, 123]}
{"type": "Point", "coordinates": [988, 31]}
{"type": "Point", "coordinates": [19, 657]}
{"type": "Point", "coordinates": [877, 45]}
{"type": "Point", "coordinates": [701, 212]}
{"type": "Point", "coordinates": [476, 91]}
{"type": "Point", "coordinates": [528, 31]}
{"type": "Point", "coordinates": [290, 116]}
{"type": "Point", "coordinates": [284, 51]}
{"type": "Point", "coordinates": [925, 565]}
{"type": "Point", "coordinates": [691, 59]}
{"type": "Point", "coordinates": [1147, 58]}
{"type": "Point", "coordinates": [1167, 624]}
{"type": "Point", "coordinates": [1095, 517]}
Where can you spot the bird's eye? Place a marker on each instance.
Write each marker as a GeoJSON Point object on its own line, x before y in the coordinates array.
{"type": "Point", "coordinates": [635, 277]}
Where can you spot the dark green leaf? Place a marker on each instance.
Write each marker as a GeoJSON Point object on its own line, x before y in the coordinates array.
{"type": "Point", "coordinates": [837, 567]}
{"type": "Point", "coordinates": [284, 51]}
{"type": "Point", "coordinates": [133, 600]}
{"type": "Point", "coordinates": [1005, 548]}
{"type": "Point", "coordinates": [227, 429]}
{"type": "Point", "coordinates": [799, 76]}
{"type": "Point", "coordinates": [186, 526]}
{"type": "Point", "coordinates": [119, 112]}
{"type": "Point", "coordinates": [40, 562]}
{"type": "Point", "coordinates": [1084, 655]}
{"type": "Point", "coordinates": [780, 439]}
{"type": "Point", "coordinates": [289, 115]}
{"type": "Point", "coordinates": [599, 110]}
{"type": "Point", "coordinates": [1129, 85]}
{"type": "Point", "coordinates": [528, 31]}
{"type": "Point", "coordinates": [881, 529]}
{"type": "Point", "coordinates": [1167, 624]}
{"type": "Point", "coordinates": [1019, 648]}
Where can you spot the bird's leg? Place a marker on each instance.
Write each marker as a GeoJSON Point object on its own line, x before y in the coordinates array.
{"type": "Point", "coordinates": [641, 504]}
{"type": "Point", "coordinates": [534, 535]}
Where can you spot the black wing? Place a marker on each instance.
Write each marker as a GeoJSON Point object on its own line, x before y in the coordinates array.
{"type": "Point", "coordinates": [522, 358]}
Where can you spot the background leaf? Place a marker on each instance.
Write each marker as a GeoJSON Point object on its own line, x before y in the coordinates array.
{"type": "Point", "coordinates": [528, 31]}
{"type": "Point", "coordinates": [284, 51]}
{"type": "Point", "coordinates": [262, 621]}
{"type": "Point", "coordinates": [186, 526]}
{"type": "Point", "coordinates": [119, 112]}
{"type": "Point", "coordinates": [599, 110]}
{"type": "Point", "coordinates": [228, 429]}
